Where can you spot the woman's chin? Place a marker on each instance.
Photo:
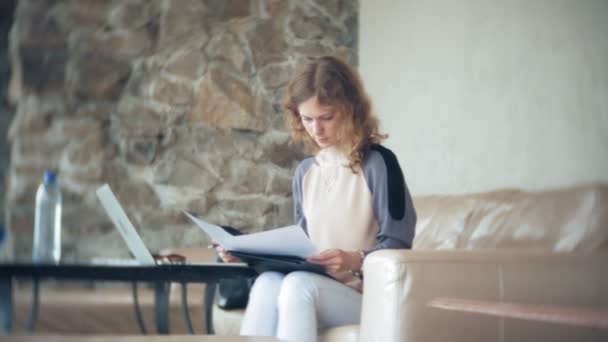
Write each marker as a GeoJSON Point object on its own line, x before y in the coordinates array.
{"type": "Point", "coordinates": [323, 143]}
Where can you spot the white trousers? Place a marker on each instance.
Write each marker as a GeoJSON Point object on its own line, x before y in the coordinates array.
{"type": "Point", "coordinates": [293, 307]}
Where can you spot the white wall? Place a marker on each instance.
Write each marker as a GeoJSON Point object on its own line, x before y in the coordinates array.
{"type": "Point", "coordinates": [480, 95]}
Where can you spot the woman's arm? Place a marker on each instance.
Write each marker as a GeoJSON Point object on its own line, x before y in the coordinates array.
{"type": "Point", "coordinates": [391, 200]}
{"type": "Point", "coordinates": [296, 187]}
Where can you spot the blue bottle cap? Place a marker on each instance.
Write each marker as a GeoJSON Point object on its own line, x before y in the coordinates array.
{"type": "Point", "coordinates": [49, 177]}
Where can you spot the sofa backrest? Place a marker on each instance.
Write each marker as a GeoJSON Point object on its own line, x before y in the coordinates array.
{"type": "Point", "coordinates": [568, 219]}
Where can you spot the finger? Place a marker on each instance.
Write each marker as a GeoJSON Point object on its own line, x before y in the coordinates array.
{"type": "Point", "coordinates": [333, 269]}
{"type": "Point", "coordinates": [332, 262]}
{"type": "Point", "coordinates": [336, 264]}
{"type": "Point", "coordinates": [325, 255]}
{"type": "Point", "coordinates": [330, 256]}
{"type": "Point", "coordinates": [226, 257]}
{"type": "Point", "coordinates": [229, 259]}
{"type": "Point", "coordinates": [320, 259]}
{"type": "Point", "coordinates": [330, 252]}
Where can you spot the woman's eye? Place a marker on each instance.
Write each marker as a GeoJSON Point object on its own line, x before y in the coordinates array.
{"type": "Point", "coordinates": [305, 119]}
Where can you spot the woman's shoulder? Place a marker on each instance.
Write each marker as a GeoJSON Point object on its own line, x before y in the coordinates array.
{"type": "Point", "coordinates": [381, 163]}
{"type": "Point", "coordinates": [303, 167]}
{"type": "Point", "coordinates": [380, 154]}
{"type": "Point", "coordinates": [383, 150]}
{"type": "Point", "coordinates": [382, 169]}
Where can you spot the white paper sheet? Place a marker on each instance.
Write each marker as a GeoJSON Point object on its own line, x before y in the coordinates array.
{"type": "Point", "coordinates": [290, 240]}
{"type": "Point", "coordinates": [216, 233]}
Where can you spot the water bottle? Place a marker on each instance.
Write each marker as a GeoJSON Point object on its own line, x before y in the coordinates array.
{"type": "Point", "coordinates": [47, 224]}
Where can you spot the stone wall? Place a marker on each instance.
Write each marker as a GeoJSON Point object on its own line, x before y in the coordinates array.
{"type": "Point", "coordinates": [7, 9]}
{"type": "Point", "coordinates": [175, 104]}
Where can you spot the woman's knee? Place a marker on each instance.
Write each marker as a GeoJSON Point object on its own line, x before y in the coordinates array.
{"type": "Point", "coordinates": [268, 281]}
{"type": "Point", "coordinates": [299, 286]}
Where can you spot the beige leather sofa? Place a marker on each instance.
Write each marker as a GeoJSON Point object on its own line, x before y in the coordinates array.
{"type": "Point", "coordinates": [545, 248]}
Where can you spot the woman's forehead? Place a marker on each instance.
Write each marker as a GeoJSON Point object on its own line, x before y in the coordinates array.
{"type": "Point", "coordinates": [312, 107]}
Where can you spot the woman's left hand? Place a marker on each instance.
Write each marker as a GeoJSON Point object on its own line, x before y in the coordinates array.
{"type": "Point", "coordinates": [337, 260]}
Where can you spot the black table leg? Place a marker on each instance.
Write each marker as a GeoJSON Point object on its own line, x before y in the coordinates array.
{"type": "Point", "coordinates": [161, 306]}
{"type": "Point", "coordinates": [208, 307]}
{"type": "Point", "coordinates": [185, 312]}
{"type": "Point", "coordinates": [137, 309]}
{"type": "Point", "coordinates": [6, 305]}
{"type": "Point", "coordinates": [33, 317]}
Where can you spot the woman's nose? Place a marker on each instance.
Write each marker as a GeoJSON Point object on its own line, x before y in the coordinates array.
{"type": "Point", "coordinates": [317, 126]}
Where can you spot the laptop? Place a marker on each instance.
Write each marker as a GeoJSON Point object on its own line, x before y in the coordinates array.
{"type": "Point", "coordinates": [124, 226]}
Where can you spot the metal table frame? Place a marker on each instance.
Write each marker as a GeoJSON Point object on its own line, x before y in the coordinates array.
{"type": "Point", "coordinates": [159, 275]}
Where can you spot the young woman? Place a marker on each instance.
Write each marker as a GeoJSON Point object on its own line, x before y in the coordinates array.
{"type": "Point", "coordinates": [350, 198]}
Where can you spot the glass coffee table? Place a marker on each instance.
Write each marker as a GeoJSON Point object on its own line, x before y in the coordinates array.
{"type": "Point", "coordinates": [160, 276]}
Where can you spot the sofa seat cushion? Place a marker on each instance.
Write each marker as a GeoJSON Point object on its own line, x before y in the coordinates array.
{"type": "Point", "coordinates": [228, 322]}
{"type": "Point", "coordinates": [345, 333]}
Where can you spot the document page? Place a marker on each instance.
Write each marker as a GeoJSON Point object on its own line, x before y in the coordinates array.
{"type": "Point", "coordinates": [288, 241]}
{"type": "Point", "coordinates": [216, 233]}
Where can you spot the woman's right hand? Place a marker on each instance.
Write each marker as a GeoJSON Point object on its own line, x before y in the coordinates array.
{"type": "Point", "coordinates": [225, 256]}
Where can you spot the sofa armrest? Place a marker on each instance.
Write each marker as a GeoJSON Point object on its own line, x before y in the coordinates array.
{"type": "Point", "coordinates": [398, 286]}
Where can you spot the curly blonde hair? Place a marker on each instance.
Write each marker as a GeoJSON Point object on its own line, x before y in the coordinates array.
{"type": "Point", "coordinates": [337, 85]}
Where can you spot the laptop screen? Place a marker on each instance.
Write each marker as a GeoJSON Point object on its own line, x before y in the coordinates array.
{"type": "Point", "coordinates": [124, 226]}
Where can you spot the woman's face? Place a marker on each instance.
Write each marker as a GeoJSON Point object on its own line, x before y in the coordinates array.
{"type": "Point", "coordinates": [321, 122]}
